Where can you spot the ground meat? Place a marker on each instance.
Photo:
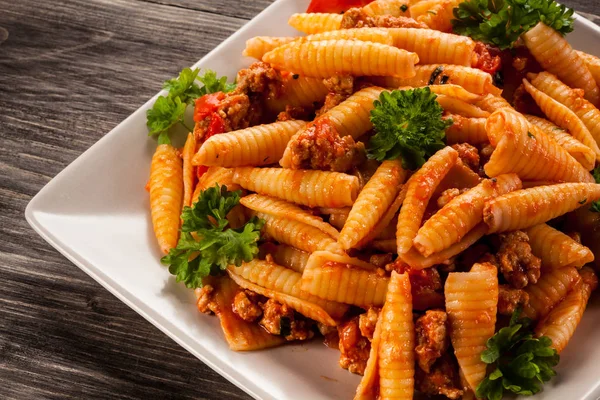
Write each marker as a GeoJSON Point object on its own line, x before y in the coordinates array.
{"type": "Point", "coordinates": [380, 260]}
{"type": "Point", "coordinates": [332, 339]}
{"type": "Point", "coordinates": [517, 263]}
{"type": "Point", "coordinates": [483, 59]}
{"type": "Point", "coordinates": [279, 319]}
{"type": "Point", "coordinates": [441, 380]}
{"type": "Point", "coordinates": [509, 299]}
{"type": "Point", "coordinates": [235, 111]}
{"type": "Point", "coordinates": [259, 78]}
{"type": "Point", "coordinates": [432, 338]}
{"type": "Point", "coordinates": [331, 100]}
{"type": "Point", "coordinates": [357, 18]}
{"type": "Point", "coordinates": [367, 322]}
{"type": "Point", "coordinates": [354, 347]}
{"type": "Point", "coordinates": [426, 285]}
{"type": "Point", "coordinates": [319, 146]}
{"type": "Point", "coordinates": [447, 196]}
{"type": "Point", "coordinates": [342, 84]}
{"type": "Point", "coordinates": [206, 303]}
{"type": "Point", "coordinates": [588, 277]}
{"type": "Point", "coordinates": [246, 305]}
{"type": "Point", "coordinates": [291, 113]}
{"type": "Point", "coordinates": [468, 154]}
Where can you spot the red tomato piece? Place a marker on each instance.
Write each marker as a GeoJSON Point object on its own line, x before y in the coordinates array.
{"type": "Point", "coordinates": [206, 105]}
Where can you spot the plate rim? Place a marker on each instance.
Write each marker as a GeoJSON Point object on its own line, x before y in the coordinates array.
{"type": "Point", "coordinates": [211, 360]}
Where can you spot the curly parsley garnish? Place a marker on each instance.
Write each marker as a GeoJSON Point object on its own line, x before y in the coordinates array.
{"type": "Point", "coordinates": [522, 363]}
{"type": "Point", "coordinates": [216, 246]}
{"type": "Point", "coordinates": [169, 110]}
{"type": "Point", "coordinates": [408, 124]}
{"type": "Point", "coordinates": [501, 22]}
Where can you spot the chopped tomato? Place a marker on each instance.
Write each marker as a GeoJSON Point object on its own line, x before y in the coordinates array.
{"type": "Point", "coordinates": [486, 58]}
{"type": "Point", "coordinates": [201, 170]}
{"type": "Point", "coordinates": [216, 126]}
{"type": "Point", "coordinates": [206, 105]}
{"type": "Point", "coordinates": [334, 6]}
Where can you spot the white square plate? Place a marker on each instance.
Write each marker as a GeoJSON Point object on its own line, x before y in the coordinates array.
{"type": "Point", "coordinates": [96, 213]}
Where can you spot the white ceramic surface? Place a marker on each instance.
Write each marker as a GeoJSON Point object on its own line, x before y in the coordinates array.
{"type": "Point", "coordinates": [96, 213]}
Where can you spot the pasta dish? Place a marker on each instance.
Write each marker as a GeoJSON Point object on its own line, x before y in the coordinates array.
{"type": "Point", "coordinates": [412, 182]}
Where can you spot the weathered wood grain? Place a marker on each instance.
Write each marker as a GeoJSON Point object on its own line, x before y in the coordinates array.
{"type": "Point", "coordinates": [70, 70]}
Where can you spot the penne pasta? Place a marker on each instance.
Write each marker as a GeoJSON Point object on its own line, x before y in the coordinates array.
{"type": "Point", "coordinates": [556, 56]}
{"type": "Point", "coordinates": [420, 188]}
{"type": "Point", "coordinates": [258, 46]}
{"type": "Point", "coordinates": [466, 130]}
{"type": "Point", "coordinates": [471, 301]}
{"type": "Point", "coordinates": [473, 80]}
{"type": "Point", "coordinates": [562, 116]}
{"type": "Point", "coordinates": [287, 256]}
{"type": "Point", "coordinates": [189, 172]}
{"type": "Point", "coordinates": [372, 202]}
{"type": "Point", "coordinates": [529, 207]}
{"type": "Point", "coordinates": [526, 150]}
{"type": "Point", "coordinates": [255, 146]}
{"type": "Point", "coordinates": [297, 91]}
{"type": "Point", "coordinates": [549, 290]}
{"type": "Point", "coordinates": [592, 63]}
{"type": "Point", "coordinates": [344, 279]}
{"type": "Point", "coordinates": [166, 195]}
{"type": "Point", "coordinates": [571, 98]}
{"type": "Point", "coordinates": [453, 221]}
{"type": "Point", "coordinates": [306, 187]}
{"type": "Point", "coordinates": [583, 154]}
{"type": "Point", "coordinates": [310, 23]}
{"type": "Point", "coordinates": [274, 277]}
{"type": "Point", "coordinates": [396, 360]}
{"type": "Point", "coordinates": [283, 209]}
{"type": "Point", "coordinates": [343, 57]}
{"type": "Point", "coordinates": [557, 250]}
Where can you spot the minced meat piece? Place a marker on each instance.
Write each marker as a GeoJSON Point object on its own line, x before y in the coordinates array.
{"type": "Point", "coordinates": [426, 285]}
{"type": "Point", "coordinates": [206, 303]}
{"type": "Point", "coordinates": [447, 196]}
{"type": "Point", "coordinates": [441, 380]}
{"type": "Point", "coordinates": [358, 18]}
{"type": "Point", "coordinates": [517, 263]}
{"type": "Point", "coordinates": [319, 146]}
{"type": "Point", "coordinates": [292, 113]}
{"type": "Point", "coordinates": [331, 100]}
{"type": "Point", "coordinates": [509, 299]}
{"type": "Point", "coordinates": [332, 339]}
{"type": "Point", "coordinates": [468, 154]}
{"type": "Point", "coordinates": [380, 260]}
{"type": "Point", "coordinates": [279, 319]}
{"type": "Point", "coordinates": [342, 84]}
{"type": "Point", "coordinates": [367, 322]}
{"type": "Point", "coordinates": [432, 338]}
{"type": "Point", "coordinates": [246, 305]}
{"type": "Point", "coordinates": [354, 347]}
{"type": "Point", "coordinates": [260, 78]}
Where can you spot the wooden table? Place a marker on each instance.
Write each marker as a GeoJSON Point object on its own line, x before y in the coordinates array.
{"type": "Point", "coordinates": [70, 70]}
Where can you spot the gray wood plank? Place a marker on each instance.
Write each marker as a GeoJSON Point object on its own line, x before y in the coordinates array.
{"type": "Point", "coordinates": [70, 70]}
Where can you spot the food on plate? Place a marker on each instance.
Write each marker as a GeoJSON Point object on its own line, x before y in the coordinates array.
{"type": "Point", "coordinates": [413, 182]}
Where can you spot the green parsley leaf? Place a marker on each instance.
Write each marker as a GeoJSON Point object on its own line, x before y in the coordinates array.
{"type": "Point", "coordinates": [502, 22]}
{"type": "Point", "coordinates": [596, 204]}
{"type": "Point", "coordinates": [212, 84]}
{"type": "Point", "coordinates": [169, 110]}
{"type": "Point", "coordinates": [522, 363]}
{"type": "Point", "coordinates": [165, 113]}
{"type": "Point", "coordinates": [207, 245]}
{"type": "Point", "coordinates": [408, 124]}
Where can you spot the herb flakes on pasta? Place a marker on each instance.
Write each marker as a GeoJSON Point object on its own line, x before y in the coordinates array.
{"type": "Point", "coordinates": [409, 125]}
{"type": "Point", "coordinates": [502, 22]}
{"type": "Point", "coordinates": [217, 245]}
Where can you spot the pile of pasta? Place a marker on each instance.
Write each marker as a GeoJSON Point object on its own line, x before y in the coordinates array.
{"type": "Point", "coordinates": [322, 223]}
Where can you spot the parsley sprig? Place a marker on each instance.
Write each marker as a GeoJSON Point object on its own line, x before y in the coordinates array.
{"type": "Point", "coordinates": [596, 204]}
{"type": "Point", "coordinates": [522, 363]}
{"type": "Point", "coordinates": [207, 245]}
{"type": "Point", "coordinates": [169, 110]}
{"type": "Point", "coordinates": [408, 124]}
{"type": "Point", "coordinates": [502, 22]}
